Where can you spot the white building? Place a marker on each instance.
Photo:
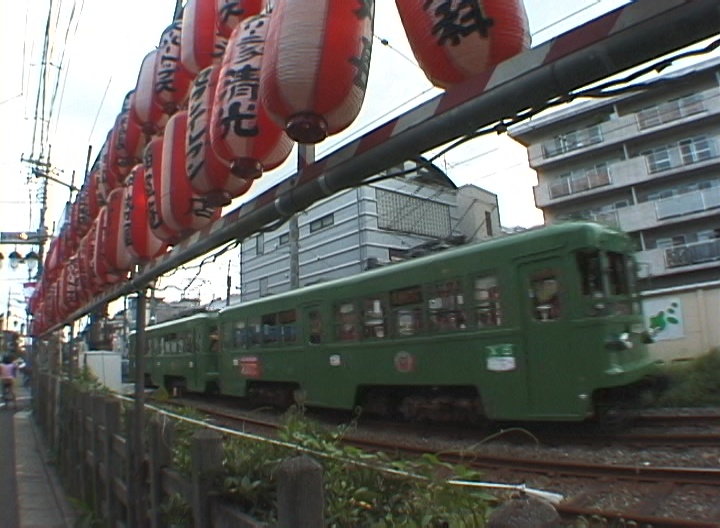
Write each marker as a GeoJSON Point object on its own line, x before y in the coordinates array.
{"type": "Point", "coordinates": [391, 219]}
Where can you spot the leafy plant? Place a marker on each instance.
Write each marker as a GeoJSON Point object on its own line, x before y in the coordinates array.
{"type": "Point", "coordinates": [694, 383]}
{"type": "Point", "coordinates": [177, 512]}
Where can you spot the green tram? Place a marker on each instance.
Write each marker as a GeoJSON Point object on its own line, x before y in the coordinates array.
{"type": "Point", "coordinates": [540, 325]}
{"type": "Point", "coordinates": [182, 355]}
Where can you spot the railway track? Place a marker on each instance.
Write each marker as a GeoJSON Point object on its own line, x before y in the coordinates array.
{"type": "Point", "coordinates": [620, 494]}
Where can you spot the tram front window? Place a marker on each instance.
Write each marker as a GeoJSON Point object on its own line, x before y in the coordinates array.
{"type": "Point", "coordinates": [604, 276]}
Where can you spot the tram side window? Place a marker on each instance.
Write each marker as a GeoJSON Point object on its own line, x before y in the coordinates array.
{"type": "Point", "coordinates": [374, 323]}
{"type": "Point", "coordinates": [254, 331]}
{"type": "Point", "coordinates": [545, 293]}
{"type": "Point", "coordinates": [488, 308]}
{"type": "Point", "coordinates": [240, 337]}
{"type": "Point", "coordinates": [407, 309]}
{"type": "Point", "coordinates": [186, 343]}
{"type": "Point", "coordinates": [270, 328]}
{"type": "Point", "coordinates": [315, 327]}
{"type": "Point", "coordinates": [446, 309]}
{"type": "Point", "coordinates": [346, 319]}
{"type": "Point", "coordinates": [288, 325]}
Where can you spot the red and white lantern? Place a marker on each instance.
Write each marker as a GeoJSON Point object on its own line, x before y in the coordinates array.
{"type": "Point", "coordinates": [116, 252]}
{"type": "Point", "coordinates": [152, 163]}
{"type": "Point", "coordinates": [454, 40]}
{"type": "Point", "coordinates": [208, 174]}
{"type": "Point", "coordinates": [231, 12]}
{"type": "Point", "coordinates": [146, 104]}
{"type": "Point", "coordinates": [316, 65]}
{"type": "Point", "coordinates": [139, 238]}
{"type": "Point", "coordinates": [201, 44]}
{"type": "Point", "coordinates": [127, 140]}
{"type": "Point", "coordinates": [180, 209]}
{"type": "Point", "coordinates": [241, 131]}
{"type": "Point", "coordinates": [172, 80]}
{"type": "Point", "coordinates": [102, 272]}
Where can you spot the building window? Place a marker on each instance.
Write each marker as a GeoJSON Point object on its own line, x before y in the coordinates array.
{"type": "Point", "coordinates": [488, 224]}
{"type": "Point", "coordinates": [283, 239]}
{"type": "Point", "coordinates": [322, 223]}
{"type": "Point", "coordinates": [260, 243]}
{"type": "Point", "coordinates": [658, 159]}
{"type": "Point", "coordinates": [695, 149]}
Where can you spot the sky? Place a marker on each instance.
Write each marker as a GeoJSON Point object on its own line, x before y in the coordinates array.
{"type": "Point", "coordinates": [95, 58]}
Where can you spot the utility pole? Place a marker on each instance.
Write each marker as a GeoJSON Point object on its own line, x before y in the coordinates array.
{"type": "Point", "coordinates": [306, 156]}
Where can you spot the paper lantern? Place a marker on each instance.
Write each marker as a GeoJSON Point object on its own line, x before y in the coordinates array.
{"type": "Point", "coordinates": [140, 241]}
{"type": "Point", "coordinates": [171, 80]}
{"type": "Point", "coordinates": [454, 41]}
{"type": "Point", "coordinates": [208, 174]}
{"type": "Point", "coordinates": [231, 12]}
{"type": "Point", "coordinates": [316, 65]}
{"type": "Point", "coordinates": [82, 203]}
{"type": "Point", "coordinates": [152, 163]}
{"type": "Point", "coordinates": [53, 261]}
{"type": "Point", "coordinates": [69, 288]}
{"type": "Point", "coordinates": [116, 252]}
{"type": "Point", "coordinates": [145, 103]}
{"type": "Point", "coordinates": [93, 196]}
{"type": "Point", "coordinates": [201, 44]}
{"type": "Point", "coordinates": [241, 131]}
{"type": "Point", "coordinates": [179, 207]}
{"type": "Point", "coordinates": [127, 140]}
{"type": "Point", "coordinates": [103, 274]}
{"type": "Point", "coordinates": [108, 178]}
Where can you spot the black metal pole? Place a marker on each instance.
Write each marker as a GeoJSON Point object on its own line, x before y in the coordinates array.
{"type": "Point", "coordinates": [137, 483]}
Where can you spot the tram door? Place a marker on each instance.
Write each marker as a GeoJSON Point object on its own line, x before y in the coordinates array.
{"type": "Point", "coordinates": [207, 347]}
{"type": "Point", "coordinates": [545, 314]}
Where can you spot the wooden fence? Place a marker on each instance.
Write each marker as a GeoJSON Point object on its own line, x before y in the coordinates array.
{"type": "Point", "coordinates": [91, 432]}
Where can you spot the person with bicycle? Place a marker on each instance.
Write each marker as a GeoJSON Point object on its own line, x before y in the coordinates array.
{"type": "Point", "coordinates": [8, 371]}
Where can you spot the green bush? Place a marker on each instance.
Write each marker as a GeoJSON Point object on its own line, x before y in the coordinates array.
{"type": "Point", "coordinates": [695, 383]}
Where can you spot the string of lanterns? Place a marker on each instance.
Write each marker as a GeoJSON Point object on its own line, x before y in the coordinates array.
{"type": "Point", "coordinates": [221, 101]}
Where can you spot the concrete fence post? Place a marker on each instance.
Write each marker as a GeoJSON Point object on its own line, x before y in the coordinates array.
{"type": "Point", "coordinates": [161, 441]}
{"type": "Point", "coordinates": [207, 456]}
{"type": "Point", "coordinates": [301, 503]}
{"type": "Point", "coordinates": [113, 425]}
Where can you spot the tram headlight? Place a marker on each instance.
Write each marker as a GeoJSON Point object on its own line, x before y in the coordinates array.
{"type": "Point", "coordinates": [619, 342]}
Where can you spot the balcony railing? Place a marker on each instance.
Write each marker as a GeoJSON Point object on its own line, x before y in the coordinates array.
{"type": "Point", "coordinates": [579, 182]}
{"type": "Point", "coordinates": [688, 203]}
{"type": "Point", "coordinates": [572, 141]}
{"type": "Point", "coordinates": [694, 253]}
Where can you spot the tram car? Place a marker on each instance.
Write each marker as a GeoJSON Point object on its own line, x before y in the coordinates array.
{"type": "Point", "coordinates": [542, 325]}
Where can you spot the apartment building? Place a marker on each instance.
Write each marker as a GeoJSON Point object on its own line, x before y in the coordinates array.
{"type": "Point", "coordinates": [421, 210]}
{"type": "Point", "coordinates": [648, 163]}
